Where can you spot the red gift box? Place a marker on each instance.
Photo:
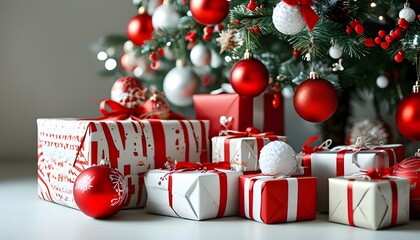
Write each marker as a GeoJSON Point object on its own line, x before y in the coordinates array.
{"type": "Point", "coordinates": [258, 112]}
{"type": "Point", "coordinates": [271, 199]}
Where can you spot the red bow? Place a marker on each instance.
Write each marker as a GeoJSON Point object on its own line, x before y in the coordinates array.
{"type": "Point", "coordinates": [311, 18]}
{"type": "Point", "coordinates": [374, 173]}
{"type": "Point", "coordinates": [249, 132]}
{"type": "Point", "coordinates": [308, 149]}
{"type": "Point", "coordinates": [190, 166]}
{"type": "Point", "coordinates": [119, 111]}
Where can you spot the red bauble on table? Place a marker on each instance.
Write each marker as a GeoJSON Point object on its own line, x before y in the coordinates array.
{"type": "Point", "coordinates": [315, 99]}
{"type": "Point", "coordinates": [249, 76]}
{"type": "Point", "coordinates": [410, 168]}
{"type": "Point", "coordinates": [407, 116]}
{"type": "Point", "coordinates": [140, 29]}
{"type": "Point", "coordinates": [100, 191]}
{"type": "Point", "coordinates": [209, 12]}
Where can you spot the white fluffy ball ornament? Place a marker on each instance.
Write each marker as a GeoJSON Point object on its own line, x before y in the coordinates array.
{"type": "Point", "coordinates": [278, 158]}
{"type": "Point", "coordinates": [288, 19]}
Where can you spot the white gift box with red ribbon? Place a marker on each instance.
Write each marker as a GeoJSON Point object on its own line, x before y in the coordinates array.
{"type": "Point", "coordinates": [346, 161]}
{"type": "Point", "coordinates": [68, 146]}
{"type": "Point", "coordinates": [371, 204]}
{"type": "Point", "coordinates": [242, 152]}
{"type": "Point", "coordinates": [196, 195]}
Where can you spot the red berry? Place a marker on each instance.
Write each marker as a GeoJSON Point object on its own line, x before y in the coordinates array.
{"type": "Point", "coordinates": [382, 33]}
{"type": "Point", "coordinates": [152, 56]}
{"type": "Point", "coordinates": [155, 65]}
{"type": "Point", "coordinates": [207, 37]}
{"type": "Point", "coordinates": [160, 52]}
{"type": "Point", "coordinates": [403, 23]}
{"type": "Point", "coordinates": [252, 5]}
{"type": "Point", "coordinates": [296, 53]}
{"type": "Point", "coordinates": [349, 30]}
{"type": "Point", "coordinates": [359, 29]}
{"type": "Point", "coordinates": [353, 23]}
{"type": "Point", "coordinates": [208, 30]}
{"type": "Point", "coordinates": [256, 30]}
{"type": "Point", "coordinates": [389, 38]}
{"type": "Point", "coordinates": [219, 27]}
{"type": "Point", "coordinates": [378, 40]}
{"type": "Point", "coordinates": [400, 52]}
{"type": "Point", "coordinates": [369, 42]}
{"type": "Point", "coordinates": [397, 32]}
{"type": "Point", "coordinates": [384, 45]}
{"type": "Point", "coordinates": [399, 57]}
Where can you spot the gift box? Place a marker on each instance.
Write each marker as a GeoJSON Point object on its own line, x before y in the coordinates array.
{"type": "Point", "coordinates": [269, 199]}
{"type": "Point", "coordinates": [196, 195]}
{"type": "Point", "coordinates": [68, 146]}
{"type": "Point", "coordinates": [345, 161]}
{"type": "Point", "coordinates": [371, 204]}
{"type": "Point", "coordinates": [241, 152]}
{"type": "Point", "coordinates": [258, 112]}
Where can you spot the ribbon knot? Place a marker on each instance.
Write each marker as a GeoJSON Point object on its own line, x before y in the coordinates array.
{"type": "Point", "coordinates": [306, 148]}
{"type": "Point", "coordinates": [249, 132]}
{"type": "Point", "coordinates": [309, 15]}
{"type": "Point", "coordinates": [374, 173]}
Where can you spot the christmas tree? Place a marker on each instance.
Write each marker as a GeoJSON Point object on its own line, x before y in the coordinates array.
{"type": "Point", "coordinates": [345, 47]}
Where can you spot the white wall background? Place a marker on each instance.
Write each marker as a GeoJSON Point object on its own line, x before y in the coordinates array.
{"type": "Point", "coordinates": [47, 68]}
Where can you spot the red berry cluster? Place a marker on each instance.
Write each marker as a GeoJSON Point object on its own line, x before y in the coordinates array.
{"type": "Point", "coordinates": [355, 25]}
{"type": "Point", "coordinates": [383, 39]}
{"type": "Point", "coordinates": [208, 31]}
{"type": "Point", "coordinates": [154, 58]}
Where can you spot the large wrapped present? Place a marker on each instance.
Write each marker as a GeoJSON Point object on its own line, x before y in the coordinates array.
{"type": "Point", "coordinates": [193, 194]}
{"type": "Point", "coordinates": [238, 113]}
{"type": "Point", "coordinates": [68, 146]}
{"type": "Point", "coordinates": [270, 199]}
{"type": "Point", "coordinates": [372, 204]}
{"type": "Point", "coordinates": [241, 149]}
{"type": "Point", "coordinates": [345, 161]}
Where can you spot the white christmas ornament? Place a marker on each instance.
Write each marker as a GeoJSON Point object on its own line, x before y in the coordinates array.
{"type": "Point", "coordinates": [335, 51]}
{"type": "Point", "coordinates": [216, 60]}
{"type": "Point", "coordinates": [165, 17]}
{"type": "Point", "coordinates": [288, 19]}
{"type": "Point", "coordinates": [179, 85]}
{"type": "Point", "coordinates": [382, 81]}
{"type": "Point", "coordinates": [278, 158]}
{"type": "Point", "coordinates": [200, 55]}
{"type": "Point", "coordinates": [407, 13]}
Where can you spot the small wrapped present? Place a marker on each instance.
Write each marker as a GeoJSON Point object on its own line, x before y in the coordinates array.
{"type": "Point", "coordinates": [193, 191]}
{"type": "Point", "coordinates": [238, 113]}
{"type": "Point", "coordinates": [369, 203]}
{"type": "Point", "coordinates": [68, 146]}
{"type": "Point", "coordinates": [323, 163]}
{"type": "Point", "coordinates": [242, 149]}
{"type": "Point", "coordinates": [271, 199]}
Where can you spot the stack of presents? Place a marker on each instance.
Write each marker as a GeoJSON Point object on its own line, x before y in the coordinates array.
{"type": "Point", "coordinates": [332, 181]}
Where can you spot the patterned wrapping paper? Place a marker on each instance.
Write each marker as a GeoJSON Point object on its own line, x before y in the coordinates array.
{"type": "Point", "coordinates": [271, 199]}
{"type": "Point", "coordinates": [68, 146]}
{"type": "Point", "coordinates": [242, 153]}
{"type": "Point", "coordinates": [342, 161]}
{"type": "Point", "coordinates": [372, 204]}
{"type": "Point", "coordinates": [258, 112]}
{"type": "Point", "coordinates": [195, 195]}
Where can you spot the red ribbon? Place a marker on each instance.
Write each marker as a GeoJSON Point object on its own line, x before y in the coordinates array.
{"type": "Point", "coordinates": [311, 18]}
{"type": "Point", "coordinates": [394, 192]}
{"type": "Point", "coordinates": [308, 150]}
{"type": "Point", "coordinates": [190, 166]}
{"type": "Point", "coordinates": [374, 173]}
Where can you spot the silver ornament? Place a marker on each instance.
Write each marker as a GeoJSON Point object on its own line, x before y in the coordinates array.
{"type": "Point", "coordinates": [382, 81]}
{"type": "Point", "coordinates": [335, 51]}
{"type": "Point", "coordinates": [288, 19]}
{"type": "Point", "coordinates": [165, 17]}
{"type": "Point", "coordinates": [407, 13]}
{"type": "Point", "coordinates": [200, 55]}
{"type": "Point", "coordinates": [179, 85]}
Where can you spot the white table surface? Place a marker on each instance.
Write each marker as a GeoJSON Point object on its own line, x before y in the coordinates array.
{"type": "Point", "coordinates": [24, 216]}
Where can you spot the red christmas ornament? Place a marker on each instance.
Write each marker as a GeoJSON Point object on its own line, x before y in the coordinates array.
{"type": "Point", "coordinates": [410, 168]}
{"type": "Point", "coordinates": [156, 107]}
{"type": "Point", "coordinates": [100, 191]}
{"type": "Point", "coordinates": [209, 12]}
{"type": "Point", "coordinates": [315, 99]}
{"type": "Point", "coordinates": [249, 77]}
{"type": "Point", "coordinates": [407, 116]}
{"type": "Point", "coordinates": [128, 91]}
{"type": "Point", "coordinates": [140, 29]}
